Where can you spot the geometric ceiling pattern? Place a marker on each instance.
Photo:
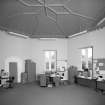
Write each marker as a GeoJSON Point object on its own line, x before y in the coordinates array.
{"type": "Point", "coordinates": [51, 18]}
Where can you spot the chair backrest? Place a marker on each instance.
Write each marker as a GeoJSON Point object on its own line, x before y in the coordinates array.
{"type": "Point", "coordinates": [62, 76]}
{"type": "Point", "coordinates": [11, 79]}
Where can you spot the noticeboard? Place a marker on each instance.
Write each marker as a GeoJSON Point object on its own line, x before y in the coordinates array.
{"type": "Point", "coordinates": [99, 62]}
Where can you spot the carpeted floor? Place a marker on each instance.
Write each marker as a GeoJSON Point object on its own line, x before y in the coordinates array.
{"type": "Point", "coordinates": [32, 94]}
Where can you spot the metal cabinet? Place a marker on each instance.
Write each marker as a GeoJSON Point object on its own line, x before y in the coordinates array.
{"type": "Point", "coordinates": [101, 85]}
{"type": "Point", "coordinates": [43, 80]}
{"type": "Point", "coordinates": [30, 69]}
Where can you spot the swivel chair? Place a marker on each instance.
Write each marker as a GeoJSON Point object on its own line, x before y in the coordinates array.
{"type": "Point", "coordinates": [10, 82]}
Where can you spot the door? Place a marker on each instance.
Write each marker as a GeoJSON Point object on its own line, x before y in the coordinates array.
{"type": "Point", "coordinates": [13, 70]}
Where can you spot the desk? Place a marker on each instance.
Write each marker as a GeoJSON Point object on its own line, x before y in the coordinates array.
{"type": "Point", "coordinates": [53, 80]}
{"type": "Point", "coordinates": [87, 82]}
{"type": "Point", "coordinates": [45, 80]}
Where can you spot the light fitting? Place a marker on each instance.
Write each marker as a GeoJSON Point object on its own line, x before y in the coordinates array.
{"type": "Point", "coordinates": [18, 35]}
{"type": "Point", "coordinates": [47, 38]}
{"type": "Point", "coordinates": [100, 22]}
{"type": "Point", "coordinates": [77, 34]}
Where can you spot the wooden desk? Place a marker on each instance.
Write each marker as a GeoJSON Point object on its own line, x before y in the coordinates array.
{"type": "Point", "coordinates": [91, 83]}
{"type": "Point", "coordinates": [101, 85]}
{"type": "Point", "coordinates": [45, 80]}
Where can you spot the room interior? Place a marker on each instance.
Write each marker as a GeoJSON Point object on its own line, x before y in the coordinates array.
{"type": "Point", "coordinates": [55, 51]}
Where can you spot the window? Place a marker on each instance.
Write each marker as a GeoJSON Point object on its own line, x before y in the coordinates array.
{"type": "Point", "coordinates": [87, 60]}
{"type": "Point", "coordinates": [50, 60]}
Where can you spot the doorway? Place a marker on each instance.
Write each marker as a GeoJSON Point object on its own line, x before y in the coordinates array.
{"type": "Point", "coordinates": [13, 70]}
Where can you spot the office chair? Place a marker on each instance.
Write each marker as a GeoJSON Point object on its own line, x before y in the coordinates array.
{"type": "Point", "coordinates": [10, 82]}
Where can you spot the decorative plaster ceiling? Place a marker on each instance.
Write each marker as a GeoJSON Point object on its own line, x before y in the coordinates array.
{"type": "Point", "coordinates": [51, 18]}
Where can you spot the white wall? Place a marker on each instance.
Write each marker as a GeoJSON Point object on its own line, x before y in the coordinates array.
{"type": "Point", "coordinates": [39, 46]}
{"type": "Point", "coordinates": [95, 39]}
{"type": "Point", "coordinates": [20, 67]}
{"type": "Point", "coordinates": [12, 46]}
{"type": "Point", "coordinates": [13, 49]}
{"type": "Point", "coordinates": [18, 49]}
{"type": "Point", "coordinates": [22, 49]}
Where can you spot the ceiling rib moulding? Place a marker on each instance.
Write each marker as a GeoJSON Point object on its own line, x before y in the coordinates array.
{"type": "Point", "coordinates": [43, 3]}
{"type": "Point", "coordinates": [52, 10]}
{"type": "Point", "coordinates": [50, 18]}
